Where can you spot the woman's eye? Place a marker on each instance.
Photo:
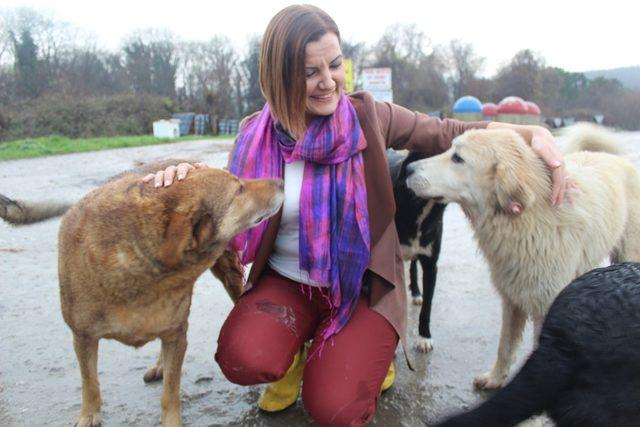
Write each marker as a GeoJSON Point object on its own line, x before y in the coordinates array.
{"type": "Point", "coordinates": [456, 159]}
{"type": "Point", "coordinates": [310, 74]}
{"type": "Point", "coordinates": [334, 66]}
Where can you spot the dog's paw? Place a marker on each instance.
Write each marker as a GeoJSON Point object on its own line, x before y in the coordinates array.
{"type": "Point", "coordinates": [91, 420]}
{"type": "Point", "coordinates": [487, 381]}
{"type": "Point", "coordinates": [153, 374]}
{"type": "Point", "coordinates": [171, 419]}
{"type": "Point", "coordinates": [424, 345]}
{"type": "Point", "coordinates": [417, 300]}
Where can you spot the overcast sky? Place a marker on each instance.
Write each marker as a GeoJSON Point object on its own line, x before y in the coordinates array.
{"type": "Point", "coordinates": [574, 35]}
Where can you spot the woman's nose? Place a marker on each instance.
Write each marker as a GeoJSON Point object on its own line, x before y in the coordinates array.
{"type": "Point", "coordinates": [326, 83]}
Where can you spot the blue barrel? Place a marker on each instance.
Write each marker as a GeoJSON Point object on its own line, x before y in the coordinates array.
{"type": "Point", "coordinates": [202, 124]}
{"type": "Point", "coordinates": [186, 121]}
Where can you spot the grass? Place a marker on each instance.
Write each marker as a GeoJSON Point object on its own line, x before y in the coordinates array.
{"type": "Point", "coordinates": [52, 145]}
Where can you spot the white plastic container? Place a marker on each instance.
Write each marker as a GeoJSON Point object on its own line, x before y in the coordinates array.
{"type": "Point", "coordinates": [166, 128]}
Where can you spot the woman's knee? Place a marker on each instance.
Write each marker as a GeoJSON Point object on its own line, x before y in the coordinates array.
{"type": "Point", "coordinates": [248, 365]}
{"type": "Point", "coordinates": [332, 408]}
{"type": "Point", "coordinates": [253, 346]}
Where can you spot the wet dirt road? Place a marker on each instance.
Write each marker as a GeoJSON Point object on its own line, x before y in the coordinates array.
{"type": "Point", "coordinates": [39, 376]}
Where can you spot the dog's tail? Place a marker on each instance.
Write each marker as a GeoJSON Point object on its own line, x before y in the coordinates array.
{"type": "Point", "coordinates": [19, 212]}
{"type": "Point", "coordinates": [586, 136]}
{"type": "Point", "coordinates": [531, 391]}
{"type": "Point", "coordinates": [22, 212]}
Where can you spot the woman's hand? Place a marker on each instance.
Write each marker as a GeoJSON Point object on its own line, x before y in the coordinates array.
{"type": "Point", "coordinates": [166, 177]}
{"type": "Point", "coordinates": [544, 145]}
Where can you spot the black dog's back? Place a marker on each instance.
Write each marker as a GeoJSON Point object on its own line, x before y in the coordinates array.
{"type": "Point", "coordinates": [586, 370]}
{"type": "Point", "coordinates": [419, 225]}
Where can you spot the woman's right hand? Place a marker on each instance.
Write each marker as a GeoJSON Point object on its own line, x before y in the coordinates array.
{"type": "Point", "coordinates": [165, 178]}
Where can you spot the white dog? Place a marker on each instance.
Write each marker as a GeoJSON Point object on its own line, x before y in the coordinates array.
{"type": "Point", "coordinates": [534, 249]}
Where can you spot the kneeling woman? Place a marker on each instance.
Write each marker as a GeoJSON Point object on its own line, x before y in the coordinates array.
{"type": "Point", "coordinates": [327, 268]}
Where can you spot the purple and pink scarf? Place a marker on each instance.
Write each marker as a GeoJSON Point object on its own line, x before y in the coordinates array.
{"type": "Point", "coordinates": [334, 221]}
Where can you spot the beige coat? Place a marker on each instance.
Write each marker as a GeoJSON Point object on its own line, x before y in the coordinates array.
{"type": "Point", "coordinates": [385, 126]}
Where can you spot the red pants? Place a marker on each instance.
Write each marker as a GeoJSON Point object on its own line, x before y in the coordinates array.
{"type": "Point", "coordinates": [342, 377]}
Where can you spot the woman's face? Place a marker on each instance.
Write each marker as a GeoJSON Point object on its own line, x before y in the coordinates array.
{"type": "Point", "coordinates": [324, 70]}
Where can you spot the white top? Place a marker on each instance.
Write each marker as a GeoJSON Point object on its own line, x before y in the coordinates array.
{"type": "Point", "coordinates": [285, 258]}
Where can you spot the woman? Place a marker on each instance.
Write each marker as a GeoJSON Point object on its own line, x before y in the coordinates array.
{"type": "Point", "coordinates": [327, 268]}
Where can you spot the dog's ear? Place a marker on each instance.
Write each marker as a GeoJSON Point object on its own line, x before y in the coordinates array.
{"type": "Point", "coordinates": [177, 237]}
{"type": "Point", "coordinates": [181, 236]}
{"type": "Point", "coordinates": [512, 191]}
{"type": "Point", "coordinates": [204, 232]}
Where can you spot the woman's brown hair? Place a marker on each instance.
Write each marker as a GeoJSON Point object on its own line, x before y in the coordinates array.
{"type": "Point", "coordinates": [282, 73]}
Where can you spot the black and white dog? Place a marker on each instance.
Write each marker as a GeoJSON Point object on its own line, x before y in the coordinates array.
{"type": "Point", "coordinates": [419, 224]}
{"type": "Point", "coordinates": [586, 369]}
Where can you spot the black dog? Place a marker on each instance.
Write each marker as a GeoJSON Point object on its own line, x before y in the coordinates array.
{"type": "Point", "coordinates": [419, 224]}
{"type": "Point", "coordinates": [586, 369]}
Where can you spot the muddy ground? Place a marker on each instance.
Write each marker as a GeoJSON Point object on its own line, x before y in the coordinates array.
{"type": "Point", "coordinates": [39, 376]}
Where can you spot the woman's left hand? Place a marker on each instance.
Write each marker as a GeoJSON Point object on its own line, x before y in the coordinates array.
{"type": "Point", "coordinates": [545, 146]}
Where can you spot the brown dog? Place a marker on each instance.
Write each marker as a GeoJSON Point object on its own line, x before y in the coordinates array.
{"type": "Point", "coordinates": [129, 255]}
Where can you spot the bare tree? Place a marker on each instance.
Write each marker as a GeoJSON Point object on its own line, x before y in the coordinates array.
{"type": "Point", "coordinates": [465, 65]}
{"type": "Point", "coordinates": [417, 69]}
{"type": "Point", "coordinates": [431, 81]}
{"type": "Point", "coordinates": [521, 77]}
{"type": "Point", "coordinates": [54, 38]}
{"type": "Point", "coordinates": [358, 53]}
{"type": "Point", "coordinates": [623, 110]}
{"type": "Point", "coordinates": [55, 41]}
{"type": "Point", "coordinates": [84, 73]}
{"type": "Point", "coordinates": [250, 95]}
{"type": "Point", "coordinates": [6, 45]}
{"type": "Point", "coordinates": [207, 71]}
{"type": "Point", "coordinates": [151, 62]}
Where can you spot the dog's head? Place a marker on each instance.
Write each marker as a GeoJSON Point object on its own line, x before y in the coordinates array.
{"type": "Point", "coordinates": [211, 206]}
{"type": "Point", "coordinates": [483, 169]}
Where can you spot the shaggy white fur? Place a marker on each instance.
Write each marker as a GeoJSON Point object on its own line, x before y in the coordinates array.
{"type": "Point", "coordinates": [534, 249]}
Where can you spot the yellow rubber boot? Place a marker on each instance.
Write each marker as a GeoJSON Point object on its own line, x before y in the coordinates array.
{"type": "Point", "coordinates": [390, 378]}
{"type": "Point", "coordinates": [283, 393]}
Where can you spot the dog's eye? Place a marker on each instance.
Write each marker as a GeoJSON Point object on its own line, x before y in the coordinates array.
{"type": "Point", "coordinates": [456, 158]}
{"type": "Point", "coordinates": [240, 190]}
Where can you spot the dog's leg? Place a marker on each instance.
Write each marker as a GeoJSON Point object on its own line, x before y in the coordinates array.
{"type": "Point", "coordinates": [536, 421]}
{"type": "Point", "coordinates": [228, 269]}
{"type": "Point", "coordinates": [429, 274]}
{"type": "Point", "coordinates": [513, 321]}
{"type": "Point", "coordinates": [416, 296]}
{"type": "Point", "coordinates": [87, 353]}
{"type": "Point", "coordinates": [173, 350]}
{"type": "Point", "coordinates": [628, 248]}
{"type": "Point", "coordinates": [538, 386]}
{"type": "Point", "coordinates": [537, 329]}
{"type": "Point", "coordinates": [154, 373]}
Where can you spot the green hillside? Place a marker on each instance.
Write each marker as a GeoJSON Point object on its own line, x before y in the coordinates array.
{"type": "Point", "coordinates": [628, 76]}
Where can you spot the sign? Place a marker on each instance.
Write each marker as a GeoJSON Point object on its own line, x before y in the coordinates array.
{"type": "Point", "coordinates": [349, 85]}
{"type": "Point", "coordinates": [378, 81]}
